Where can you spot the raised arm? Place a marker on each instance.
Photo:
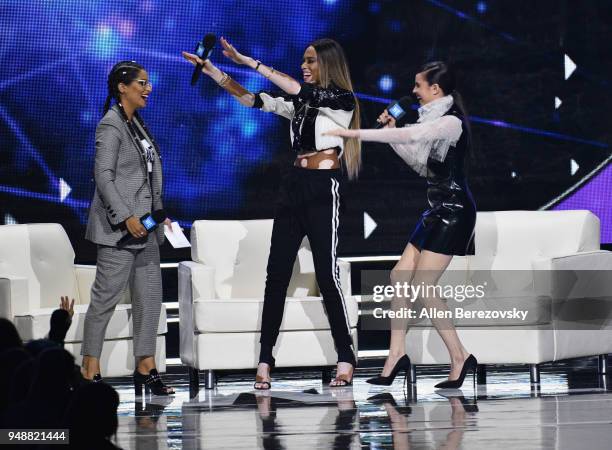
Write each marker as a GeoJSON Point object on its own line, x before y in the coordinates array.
{"type": "Point", "coordinates": [282, 80]}
{"type": "Point", "coordinates": [239, 92]}
{"type": "Point", "coordinates": [331, 97]}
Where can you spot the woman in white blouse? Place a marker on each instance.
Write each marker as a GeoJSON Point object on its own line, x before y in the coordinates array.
{"type": "Point", "coordinates": [436, 147]}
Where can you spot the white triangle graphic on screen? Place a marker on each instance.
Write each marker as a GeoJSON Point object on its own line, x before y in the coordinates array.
{"type": "Point", "coordinates": [570, 66]}
{"type": "Point", "coordinates": [574, 167]}
{"type": "Point", "coordinates": [557, 102]}
{"type": "Point", "coordinates": [65, 189]}
{"type": "Point", "coordinates": [368, 225]}
{"type": "Point", "coordinates": [9, 220]}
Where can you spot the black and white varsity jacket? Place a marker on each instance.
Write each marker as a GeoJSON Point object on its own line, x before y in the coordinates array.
{"type": "Point", "coordinates": [313, 111]}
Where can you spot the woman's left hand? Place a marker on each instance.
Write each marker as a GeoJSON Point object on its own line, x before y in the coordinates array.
{"type": "Point", "coordinates": [67, 305]}
{"type": "Point", "coordinates": [168, 223]}
{"type": "Point", "coordinates": [229, 51]}
{"type": "Point", "coordinates": [342, 133]}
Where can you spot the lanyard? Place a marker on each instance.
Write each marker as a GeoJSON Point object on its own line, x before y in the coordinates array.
{"type": "Point", "coordinates": [145, 144]}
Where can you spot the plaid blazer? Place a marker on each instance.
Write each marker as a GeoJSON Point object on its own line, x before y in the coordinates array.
{"type": "Point", "coordinates": [124, 187]}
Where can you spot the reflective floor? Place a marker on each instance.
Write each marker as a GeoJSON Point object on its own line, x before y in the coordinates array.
{"type": "Point", "coordinates": [571, 409]}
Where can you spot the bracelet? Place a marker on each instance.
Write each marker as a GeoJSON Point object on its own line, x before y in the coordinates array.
{"type": "Point", "coordinates": [223, 79]}
{"type": "Point", "coordinates": [258, 64]}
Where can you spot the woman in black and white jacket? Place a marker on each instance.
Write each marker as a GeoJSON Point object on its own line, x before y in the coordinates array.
{"type": "Point", "coordinates": [309, 197]}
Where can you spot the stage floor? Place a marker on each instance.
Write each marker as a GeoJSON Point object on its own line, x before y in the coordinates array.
{"type": "Point", "coordinates": [571, 409]}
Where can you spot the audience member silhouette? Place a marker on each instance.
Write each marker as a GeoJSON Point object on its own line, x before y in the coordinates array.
{"type": "Point", "coordinates": [92, 417]}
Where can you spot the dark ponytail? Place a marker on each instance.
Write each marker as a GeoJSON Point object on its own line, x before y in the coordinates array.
{"type": "Point", "coordinates": [107, 103]}
{"type": "Point", "coordinates": [123, 72]}
{"type": "Point", "coordinates": [440, 73]}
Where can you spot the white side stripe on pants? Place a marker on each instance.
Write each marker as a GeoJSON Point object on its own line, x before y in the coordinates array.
{"type": "Point", "coordinates": [335, 268]}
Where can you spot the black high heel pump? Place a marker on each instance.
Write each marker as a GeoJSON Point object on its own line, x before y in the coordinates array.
{"type": "Point", "coordinates": [470, 364]}
{"type": "Point", "coordinates": [402, 364]}
{"type": "Point", "coordinates": [152, 383]}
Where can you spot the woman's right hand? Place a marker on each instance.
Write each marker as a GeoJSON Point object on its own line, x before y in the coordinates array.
{"type": "Point", "coordinates": [208, 67]}
{"type": "Point", "coordinates": [387, 118]}
{"type": "Point", "coordinates": [135, 228]}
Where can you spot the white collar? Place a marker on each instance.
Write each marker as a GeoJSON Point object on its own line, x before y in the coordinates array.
{"type": "Point", "coordinates": [435, 109]}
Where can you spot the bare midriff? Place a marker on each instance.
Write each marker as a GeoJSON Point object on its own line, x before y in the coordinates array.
{"type": "Point", "coordinates": [323, 159]}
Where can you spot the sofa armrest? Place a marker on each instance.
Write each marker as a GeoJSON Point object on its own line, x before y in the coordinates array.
{"type": "Point", "coordinates": [345, 276]}
{"type": "Point", "coordinates": [14, 298]}
{"type": "Point", "coordinates": [574, 276]}
{"type": "Point", "coordinates": [85, 276]}
{"type": "Point", "coordinates": [592, 260]}
{"type": "Point", "coordinates": [195, 282]}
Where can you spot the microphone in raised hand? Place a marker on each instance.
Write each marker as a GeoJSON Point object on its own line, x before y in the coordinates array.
{"type": "Point", "coordinates": [203, 51]}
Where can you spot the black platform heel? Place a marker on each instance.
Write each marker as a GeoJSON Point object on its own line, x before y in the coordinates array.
{"type": "Point", "coordinates": [402, 364]}
{"type": "Point", "coordinates": [152, 384]}
{"type": "Point", "coordinates": [470, 364]}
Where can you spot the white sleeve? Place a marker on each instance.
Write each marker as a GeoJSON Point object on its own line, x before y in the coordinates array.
{"type": "Point", "coordinates": [277, 104]}
{"type": "Point", "coordinates": [417, 142]}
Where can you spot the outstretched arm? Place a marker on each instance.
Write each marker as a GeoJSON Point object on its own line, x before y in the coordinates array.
{"type": "Point", "coordinates": [415, 144]}
{"type": "Point", "coordinates": [444, 128]}
{"type": "Point", "coordinates": [289, 85]}
{"type": "Point", "coordinates": [243, 95]}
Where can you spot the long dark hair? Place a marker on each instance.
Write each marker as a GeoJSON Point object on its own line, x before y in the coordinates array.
{"type": "Point", "coordinates": [333, 68]}
{"type": "Point", "coordinates": [440, 73]}
{"type": "Point", "coordinates": [123, 72]}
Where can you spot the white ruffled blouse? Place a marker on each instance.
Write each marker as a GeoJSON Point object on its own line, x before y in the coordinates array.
{"type": "Point", "coordinates": [432, 135]}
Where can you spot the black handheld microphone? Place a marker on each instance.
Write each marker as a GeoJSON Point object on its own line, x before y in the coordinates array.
{"type": "Point", "coordinates": [203, 50]}
{"type": "Point", "coordinates": [397, 109]}
{"type": "Point", "coordinates": [149, 221]}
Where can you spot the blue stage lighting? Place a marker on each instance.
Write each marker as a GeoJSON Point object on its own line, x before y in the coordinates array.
{"type": "Point", "coordinates": [385, 83]}
{"type": "Point", "coordinates": [106, 41]}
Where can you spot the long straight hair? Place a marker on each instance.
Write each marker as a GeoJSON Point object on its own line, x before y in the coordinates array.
{"type": "Point", "coordinates": [333, 68]}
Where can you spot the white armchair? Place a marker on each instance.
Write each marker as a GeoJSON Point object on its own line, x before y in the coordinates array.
{"type": "Point", "coordinates": [537, 245]}
{"type": "Point", "coordinates": [36, 269]}
{"type": "Point", "coordinates": [221, 300]}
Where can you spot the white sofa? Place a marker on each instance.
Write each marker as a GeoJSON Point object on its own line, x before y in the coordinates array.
{"type": "Point", "coordinates": [36, 269]}
{"type": "Point", "coordinates": [221, 299]}
{"type": "Point", "coordinates": [537, 245]}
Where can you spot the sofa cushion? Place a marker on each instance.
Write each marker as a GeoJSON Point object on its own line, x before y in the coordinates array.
{"type": "Point", "coordinates": [238, 252]}
{"type": "Point", "coordinates": [35, 325]}
{"type": "Point", "coordinates": [244, 314]}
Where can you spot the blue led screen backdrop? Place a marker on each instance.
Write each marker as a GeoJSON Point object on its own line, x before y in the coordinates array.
{"type": "Point", "coordinates": [533, 76]}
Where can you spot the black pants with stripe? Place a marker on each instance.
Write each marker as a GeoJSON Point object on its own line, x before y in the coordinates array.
{"type": "Point", "coordinates": [309, 205]}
